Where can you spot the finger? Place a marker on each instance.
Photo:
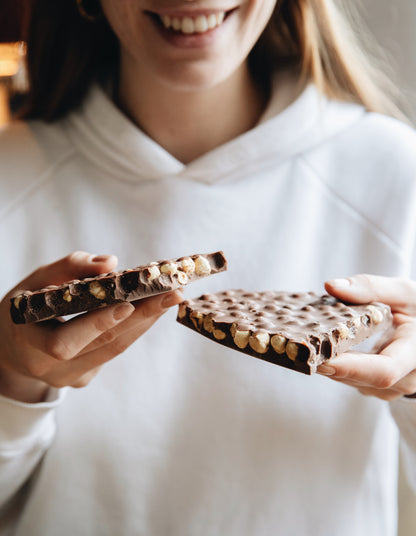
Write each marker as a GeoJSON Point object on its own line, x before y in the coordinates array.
{"type": "Point", "coordinates": [146, 312]}
{"type": "Point", "coordinates": [71, 372]}
{"type": "Point", "coordinates": [381, 371]}
{"type": "Point", "coordinates": [49, 346]}
{"type": "Point", "coordinates": [384, 394]}
{"type": "Point", "coordinates": [84, 380]}
{"type": "Point", "coordinates": [365, 369]}
{"type": "Point", "coordinates": [399, 293]}
{"type": "Point", "coordinates": [96, 358]}
{"type": "Point", "coordinates": [63, 341]}
{"type": "Point", "coordinates": [407, 385]}
{"type": "Point", "coordinates": [77, 265]}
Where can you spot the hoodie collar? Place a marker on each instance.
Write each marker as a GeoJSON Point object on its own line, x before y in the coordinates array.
{"type": "Point", "coordinates": [107, 138]}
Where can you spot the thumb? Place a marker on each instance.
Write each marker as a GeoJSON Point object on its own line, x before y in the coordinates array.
{"type": "Point", "coordinates": [76, 265]}
{"type": "Point", "coordinates": [399, 293]}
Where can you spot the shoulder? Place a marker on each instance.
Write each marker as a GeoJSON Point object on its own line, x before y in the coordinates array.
{"type": "Point", "coordinates": [29, 151]}
{"type": "Point", "coordinates": [387, 139]}
{"type": "Point", "coordinates": [369, 168]}
{"type": "Point", "coordinates": [380, 142]}
{"type": "Point", "coordinates": [371, 148]}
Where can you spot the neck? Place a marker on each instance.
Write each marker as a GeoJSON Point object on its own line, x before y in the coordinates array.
{"type": "Point", "coordinates": [189, 123]}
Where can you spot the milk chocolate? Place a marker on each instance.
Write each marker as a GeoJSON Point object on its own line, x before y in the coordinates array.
{"type": "Point", "coordinates": [299, 331]}
{"type": "Point", "coordinates": [128, 285]}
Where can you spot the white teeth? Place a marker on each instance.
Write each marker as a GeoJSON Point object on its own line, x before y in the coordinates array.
{"type": "Point", "coordinates": [189, 25]}
{"type": "Point", "coordinates": [166, 21]}
{"type": "Point", "coordinates": [201, 24]}
{"type": "Point", "coordinates": [176, 24]}
{"type": "Point", "coordinates": [212, 21]}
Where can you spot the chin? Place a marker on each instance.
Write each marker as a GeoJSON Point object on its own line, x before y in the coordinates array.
{"type": "Point", "coordinates": [193, 77]}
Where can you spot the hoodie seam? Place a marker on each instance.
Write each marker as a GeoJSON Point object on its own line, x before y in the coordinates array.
{"type": "Point", "coordinates": [369, 223]}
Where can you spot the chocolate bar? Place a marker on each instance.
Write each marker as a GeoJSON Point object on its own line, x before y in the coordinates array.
{"type": "Point", "coordinates": [299, 331]}
{"type": "Point", "coordinates": [128, 285]}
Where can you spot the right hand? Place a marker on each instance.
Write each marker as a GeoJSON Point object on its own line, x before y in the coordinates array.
{"type": "Point", "coordinates": [57, 353]}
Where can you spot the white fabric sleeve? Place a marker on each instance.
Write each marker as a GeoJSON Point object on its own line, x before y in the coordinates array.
{"type": "Point", "coordinates": [26, 432]}
{"type": "Point", "coordinates": [403, 411]}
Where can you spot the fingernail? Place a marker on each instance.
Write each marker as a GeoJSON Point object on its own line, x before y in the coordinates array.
{"type": "Point", "coordinates": [101, 258]}
{"type": "Point", "coordinates": [340, 283]}
{"type": "Point", "coordinates": [122, 311]}
{"type": "Point", "coordinates": [171, 299]}
{"type": "Point", "coordinates": [326, 370]}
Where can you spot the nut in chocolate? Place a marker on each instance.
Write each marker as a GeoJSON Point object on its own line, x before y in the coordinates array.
{"type": "Point", "coordinates": [103, 290]}
{"type": "Point", "coordinates": [299, 331]}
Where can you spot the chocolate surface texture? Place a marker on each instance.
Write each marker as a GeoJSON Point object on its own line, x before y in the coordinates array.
{"type": "Point", "coordinates": [295, 330]}
{"type": "Point", "coordinates": [103, 290]}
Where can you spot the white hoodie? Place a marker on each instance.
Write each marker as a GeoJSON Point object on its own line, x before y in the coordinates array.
{"type": "Point", "coordinates": [180, 436]}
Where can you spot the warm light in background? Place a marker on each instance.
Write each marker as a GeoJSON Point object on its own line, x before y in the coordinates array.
{"type": "Point", "coordinates": [12, 76]}
{"type": "Point", "coordinates": [10, 58]}
{"type": "Point", "coordinates": [4, 106]}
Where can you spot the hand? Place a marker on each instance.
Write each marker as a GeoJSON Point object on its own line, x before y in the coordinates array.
{"type": "Point", "coordinates": [61, 353]}
{"type": "Point", "coordinates": [391, 372]}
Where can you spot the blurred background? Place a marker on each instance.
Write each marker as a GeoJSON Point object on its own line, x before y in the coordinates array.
{"type": "Point", "coordinates": [393, 25]}
{"type": "Point", "coordinates": [12, 53]}
{"type": "Point", "coordinates": [389, 24]}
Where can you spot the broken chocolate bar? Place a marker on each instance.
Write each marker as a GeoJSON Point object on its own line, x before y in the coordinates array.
{"type": "Point", "coordinates": [299, 331]}
{"type": "Point", "coordinates": [91, 293]}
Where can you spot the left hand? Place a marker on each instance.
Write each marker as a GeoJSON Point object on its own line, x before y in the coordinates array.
{"type": "Point", "coordinates": [391, 372]}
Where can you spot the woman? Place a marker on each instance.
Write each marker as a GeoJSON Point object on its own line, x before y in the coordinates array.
{"type": "Point", "coordinates": [158, 129]}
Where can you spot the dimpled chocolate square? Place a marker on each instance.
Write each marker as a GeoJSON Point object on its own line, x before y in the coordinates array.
{"type": "Point", "coordinates": [103, 290]}
{"type": "Point", "coordinates": [299, 331]}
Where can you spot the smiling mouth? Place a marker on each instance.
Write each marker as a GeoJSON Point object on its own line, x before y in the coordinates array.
{"type": "Point", "coordinates": [192, 25]}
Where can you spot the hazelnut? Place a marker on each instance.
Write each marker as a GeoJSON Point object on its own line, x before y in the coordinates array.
{"type": "Point", "coordinates": [182, 311]}
{"type": "Point", "coordinates": [259, 342]}
{"type": "Point", "coordinates": [16, 301]}
{"type": "Point", "coordinates": [182, 277]}
{"type": "Point", "coordinates": [202, 266]}
{"type": "Point", "coordinates": [376, 315]}
{"type": "Point", "coordinates": [343, 331]}
{"type": "Point", "coordinates": [241, 338]}
{"type": "Point", "coordinates": [97, 290]}
{"type": "Point", "coordinates": [219, 334]}
{"type": "Point", "coordinates": [67, 295]}
{"type": "Point", "coordinates": [208, 324]}
{"type": "Point", "coordinates": [169, 268]}
{"type": "Point", "coordinates": [196, 319]}
{"type": "Point", "coordinates": [188, 266]}
{"type": "Point", "coordinates": [152, 272]}
{"type": "Point", "coordinates": [357, 322]}
{"type": "Point", "coordinates": [292, 350]}
{"type": "Point", "coordinates": [278, 343]}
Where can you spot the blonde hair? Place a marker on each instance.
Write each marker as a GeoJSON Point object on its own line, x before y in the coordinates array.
{"type": "Point", "coordinates": [318, 36]}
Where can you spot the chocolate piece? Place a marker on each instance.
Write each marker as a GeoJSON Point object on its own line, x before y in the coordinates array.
{"type": "Point", "coordinates": [103, 290]}
{"type": "Point", "coordinates": [295, 330]}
